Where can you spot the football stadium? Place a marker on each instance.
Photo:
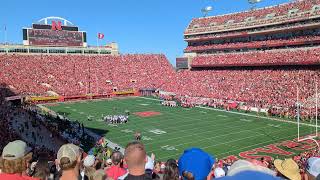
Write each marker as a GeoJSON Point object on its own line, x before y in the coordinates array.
{"type": "Point", "coordinates": [242, 101]}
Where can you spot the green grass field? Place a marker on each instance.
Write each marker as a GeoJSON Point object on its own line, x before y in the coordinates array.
{"type": "Point", "coordinates": [175, 129]}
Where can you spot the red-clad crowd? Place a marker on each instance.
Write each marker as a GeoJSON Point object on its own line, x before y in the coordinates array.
{"type": "Point", "coordinates": [59, 73]}
{"type": "Point", "coordinates": [80, 74]}
{"type": "Point", "coordinates": [254, 44]}
{"type": "Point", "coordinates": [258, 88]}
{"type": "Point", "coordinates": [279, 10]}
{"type": "Point", "coordinates": [305, 56]}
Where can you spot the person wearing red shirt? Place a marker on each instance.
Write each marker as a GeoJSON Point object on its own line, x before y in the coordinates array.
{"type": "Point", "coordinates": [116, 170]}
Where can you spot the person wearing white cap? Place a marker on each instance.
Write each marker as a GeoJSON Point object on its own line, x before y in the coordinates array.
{"type": "Point", "coordinates": [88, 164]}
{"type": "Point", "coordinates": [313, 168]}
{"type": "Point", "coordinates": [69, 158]}
{"type": "Point", "coordinates": [245, 165]}
{"type": "Point", "coordinates": [14, 161]}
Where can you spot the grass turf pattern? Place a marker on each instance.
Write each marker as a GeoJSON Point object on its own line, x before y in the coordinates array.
{"type": "Point", "coordinates": [175, 129]}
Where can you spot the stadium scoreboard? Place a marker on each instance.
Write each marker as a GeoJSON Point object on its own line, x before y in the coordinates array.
{"type": "Point", "coordinates": [54, 34]}
{"type": "Point", "coordinates": [182, 63]}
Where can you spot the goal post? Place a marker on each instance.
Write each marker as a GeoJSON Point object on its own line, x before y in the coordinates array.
{"type": "Point", "coordinates": [310, 103]}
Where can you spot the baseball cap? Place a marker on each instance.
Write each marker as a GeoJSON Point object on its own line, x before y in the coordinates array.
{"type": "Point", "coordinates": [89, 160]}
{"type": "Point", "coordinates": [313, 166]}
{"type": "Point", "coordinates": [288, 168]}
{"type": "Point", "coordinates": [250, 175]}
{"type": "Point", "coordinates": [15, 150]}
{"type": "Point", "coordinates": [244, 165]}
{"type": "Point", "coordinates": [70, 151]}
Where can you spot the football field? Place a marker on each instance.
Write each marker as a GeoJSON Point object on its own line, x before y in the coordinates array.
{"type": "Point", "coordinates": [167, 131]}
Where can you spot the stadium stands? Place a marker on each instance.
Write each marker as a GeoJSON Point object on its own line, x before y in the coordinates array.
{"type": "Point", "coordinates": [304, 56]}
{"type": "Point", "coordinates": [265, 79]}
{"type": "Point", "coordinates": [79, 75]}
{"type": "Point", "coordinates": [259, 88]}
{"type": "Point", "coordinates": [273, 14]}
{"type": "Point", "coordinates": [255, 44]}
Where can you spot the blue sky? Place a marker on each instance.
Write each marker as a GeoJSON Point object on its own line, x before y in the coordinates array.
{"type": "Point", "coordinates": [138, 26]}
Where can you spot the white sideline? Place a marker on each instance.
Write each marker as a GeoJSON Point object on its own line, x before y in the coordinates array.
{"type": "Point", "coordinates": [251, 115]}
{"type": "Point", "coordinates": [244, 114]}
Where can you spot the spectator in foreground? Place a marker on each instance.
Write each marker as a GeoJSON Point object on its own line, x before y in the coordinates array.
{"type": "Point", "coordinates": [88, 169]}
{"type": "Point", "coordinates": [171, 171]}
{"type": "Point", "coordinates": [195, 163]}
{"type": "Point", "coordinates": [188, 175]}
{"type": "Point", "coordinates": [14, 161]}
{"type": "Point", "coordinates": [247, 165]}
{"type": "Point", "coordinates": [287, 168]}
{"type": "Point", "coordinates": [136, 157]}
{"type": "Point", "coordinates": [116, 170]}
{"type": "Point", "coordinates": [69, 158]}
{"type": "Point", "coordinates": [313, 168]}
{"type": "Point", "coordinates": [41, 169]}
{"type": "Point", "coordinates": [219, 172]}
{"type": "Point", "coordinates": [100, 175]}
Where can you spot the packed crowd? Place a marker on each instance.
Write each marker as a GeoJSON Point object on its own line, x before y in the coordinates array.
{"type": "Point", "coordinates": [79, 74]}
{"type": "Point", "coordinates": [20, 162]}
{"type": "Point", "coordinates": [279, 10]}
{"type": "Point", "coordinates": [263, 88]}
{"type": "Point", "coordinates": [254, 44]}
{"type": "Point", "coordinates": [307, 56]}
{"type": "Point", "coordinates": [258, 88]}
{"type": "Point", "coordinates": [37, 159]}
{"type": "Point", "coordinates": [274, 29]}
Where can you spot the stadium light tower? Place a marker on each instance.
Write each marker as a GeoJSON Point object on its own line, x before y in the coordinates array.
{"type": "Point", "coordinates": [206, 10]}
{"type": "Point", "coordinates": [253, 3]}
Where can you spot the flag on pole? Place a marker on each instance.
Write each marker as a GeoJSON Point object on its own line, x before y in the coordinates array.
{"type": "Point", "coordinates": [100, 36]}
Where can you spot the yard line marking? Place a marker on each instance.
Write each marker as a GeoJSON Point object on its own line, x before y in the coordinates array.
{"type": "Point", "coordinates": [222, 115]}
{"type": "Point", "coordinates": [120, 138]}
{"type": "Point", "coordinates": [215, 124]}
{"type": "Point", "coordinates": [246, 120]}
{"type": "Point", "coordinates": [273, 119]}
{"type": "Point", "coordinates": [204, 132]}
{"type": "Point", "coordinates": [250, 115]}
{"type": "Point", "coordinates": [215, 137]}
{"type": "Point", "coordinates": [273, 125]}
{"type": "Point", "coordinates": [223, 127]}
{"type": "Point", "coordinates": [273, 140]}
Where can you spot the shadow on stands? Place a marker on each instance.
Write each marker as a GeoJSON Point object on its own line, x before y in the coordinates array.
{"type": "Point", "coordinates": [100, 132]}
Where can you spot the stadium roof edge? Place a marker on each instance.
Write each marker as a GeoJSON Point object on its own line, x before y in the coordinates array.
{"type": "Point", "coordinates": [208, 17]}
